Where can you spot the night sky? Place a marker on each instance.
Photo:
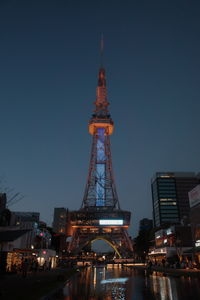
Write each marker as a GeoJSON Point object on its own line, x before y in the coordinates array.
{"type": "Point", "coordinates": [49, 61]}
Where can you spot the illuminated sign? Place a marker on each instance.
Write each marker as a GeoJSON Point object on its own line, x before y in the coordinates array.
{"type": "Point", "coordinates": [197, 243]}
{"type": "Point", "coordinates": [111, 222]}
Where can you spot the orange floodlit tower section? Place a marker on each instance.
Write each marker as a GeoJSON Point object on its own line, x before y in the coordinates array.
{"type": "Point", "coordinates": [101, 117]}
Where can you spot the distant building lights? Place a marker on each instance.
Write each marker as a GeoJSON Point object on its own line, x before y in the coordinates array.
{"type": "Point", "coordinates": [44, 252]}
{"type": "Point", "coordinates": [111, 222]}
{"type": "Point", "coordinates": [158, 251]}
{"type": "Point", "coordinates": [169, 231]}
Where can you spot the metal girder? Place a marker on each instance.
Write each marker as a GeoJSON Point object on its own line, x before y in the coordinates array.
{"type": "Point", "coordinates": [105, 179]}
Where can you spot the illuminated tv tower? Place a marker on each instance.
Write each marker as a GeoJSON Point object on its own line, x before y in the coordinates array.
{"type": "Point", "coordinates": [100, 216]}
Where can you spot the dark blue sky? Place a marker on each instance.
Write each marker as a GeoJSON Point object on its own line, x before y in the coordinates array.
{"type": "Point", "coordinates": [49, 60]}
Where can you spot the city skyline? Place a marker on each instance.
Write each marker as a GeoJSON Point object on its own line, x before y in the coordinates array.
{"type": "Point", "coordinates": [49, 65]}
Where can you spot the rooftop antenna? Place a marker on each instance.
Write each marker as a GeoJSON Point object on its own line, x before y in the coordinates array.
{"type": "Point", "coordinates": [101, 50]}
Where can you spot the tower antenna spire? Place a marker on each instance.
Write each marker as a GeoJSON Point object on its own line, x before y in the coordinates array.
{"type": "Point", "coordinates": [101, 50]}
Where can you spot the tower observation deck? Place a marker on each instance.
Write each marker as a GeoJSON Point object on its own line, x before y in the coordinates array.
{"type": "Point", "coordinates": [100, 216]}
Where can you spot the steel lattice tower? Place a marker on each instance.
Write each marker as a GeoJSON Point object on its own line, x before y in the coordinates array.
{"type": "Point", "coordinates": [100, 216]}
{"type": "Point", "coordinates": [100, 189]}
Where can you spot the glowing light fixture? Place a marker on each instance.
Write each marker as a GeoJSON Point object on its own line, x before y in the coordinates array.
{"type": "Point", "coordinates": [111, 222]}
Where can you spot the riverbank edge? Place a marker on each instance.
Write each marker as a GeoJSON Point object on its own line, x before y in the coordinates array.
{"type": "Point", "coordinates": [58, 291]}
{"type": "Point", "coordinates": [168, 271]}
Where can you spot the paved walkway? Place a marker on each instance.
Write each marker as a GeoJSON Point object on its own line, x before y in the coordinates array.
{"type": "Point", "coordinates": [32, 287]}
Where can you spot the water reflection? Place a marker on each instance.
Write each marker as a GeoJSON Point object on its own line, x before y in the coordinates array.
{"type": "Point", "coordinates": [163, 288]}
{"type": "Point", "coordinates": [104, 283]}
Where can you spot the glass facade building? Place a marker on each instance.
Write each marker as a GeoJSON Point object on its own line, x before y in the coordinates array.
{"type": "Point", "coordinates": [170, 196]}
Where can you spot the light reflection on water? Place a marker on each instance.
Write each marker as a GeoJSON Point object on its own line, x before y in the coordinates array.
{"type": "Point", "coordinates": [163, 287]}
{"type": "Point", "coordinates": [114, 280]}
{"type": "Point", "coordinates": [101, 283]}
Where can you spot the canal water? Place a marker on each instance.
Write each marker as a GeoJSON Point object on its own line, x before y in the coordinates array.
{"type": "Point", "coordinates": [108, 283]}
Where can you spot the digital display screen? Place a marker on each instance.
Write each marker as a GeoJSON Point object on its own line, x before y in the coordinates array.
{"type": "Point", "coordinates": [111, 222]}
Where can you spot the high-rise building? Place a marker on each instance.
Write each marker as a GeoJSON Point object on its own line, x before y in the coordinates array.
{"type": "Point", "coordinates": [170, 196]}
{"type": "Point", "coordinates": [59, 220]}
{"type": "Point", "coordinates": [145, 224]}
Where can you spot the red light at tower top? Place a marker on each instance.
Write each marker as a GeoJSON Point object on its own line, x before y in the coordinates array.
{"type": "Point", "coordinates": [101, 92]}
